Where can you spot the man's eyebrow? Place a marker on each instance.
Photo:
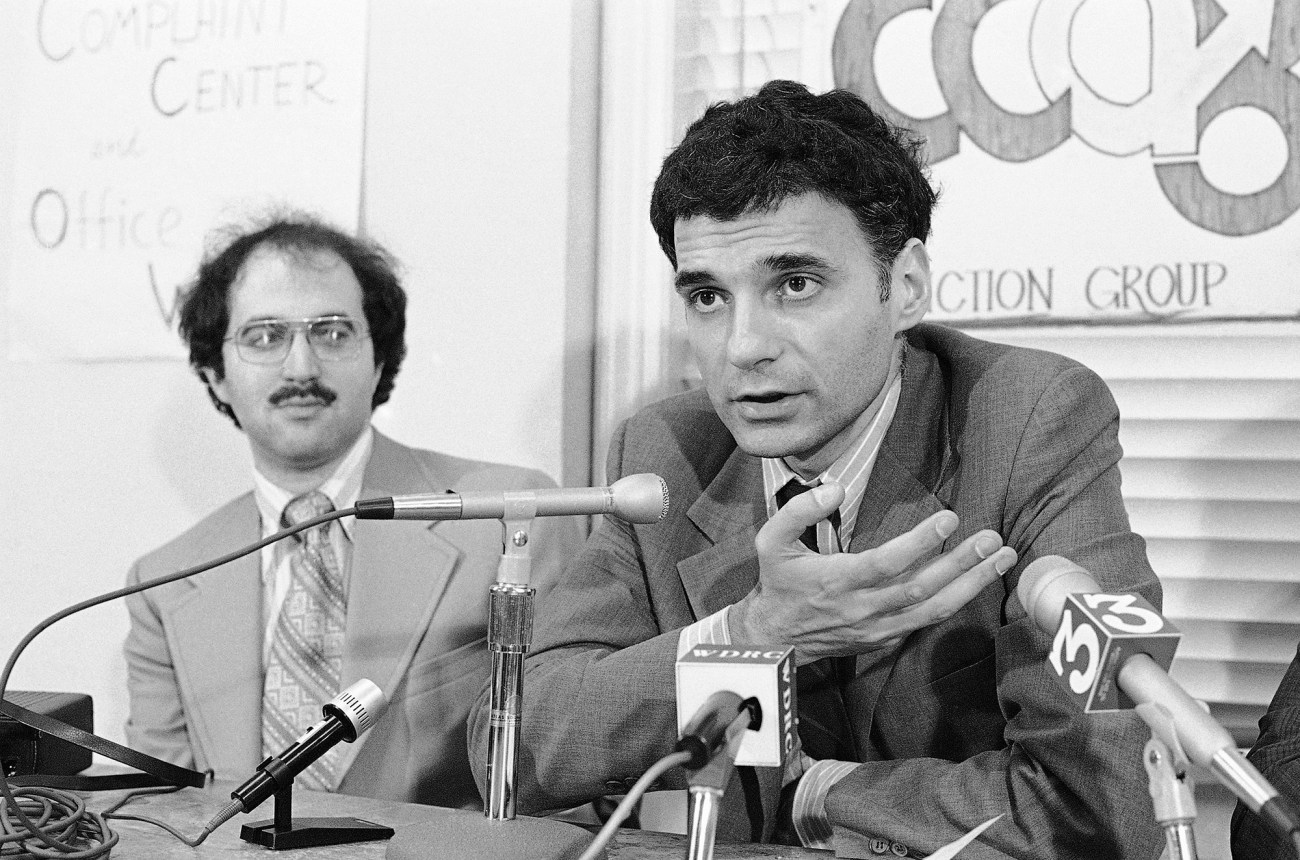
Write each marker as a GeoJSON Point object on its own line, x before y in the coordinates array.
{"type": "Point", "coordinates": [792, 261]}
{"type": "Point", "coordinates": [687, 279]}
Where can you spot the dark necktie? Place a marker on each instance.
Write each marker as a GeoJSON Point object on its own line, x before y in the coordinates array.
{"type": "Point", "coordinates": [305, 666]}
{"type": "Point", "coordinates": [823, 720]}
{"type": "Point", "coordinates": [809, 536]}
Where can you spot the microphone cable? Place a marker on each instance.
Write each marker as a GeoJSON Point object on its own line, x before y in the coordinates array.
{"type": "Point", "coordinates": [624, 809]}
{"type": "Point", "coordinates": [58, 816]}
{"type": "Point", "coordinates": [217, 820]}
{"type": "Point", "coordinates": [56, 824]}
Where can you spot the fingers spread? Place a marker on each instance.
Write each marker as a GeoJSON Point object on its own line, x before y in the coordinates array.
{"type": "Point", "coordinates": [880, 565]}
{"type": "Point", "coordinates": [936, 592]}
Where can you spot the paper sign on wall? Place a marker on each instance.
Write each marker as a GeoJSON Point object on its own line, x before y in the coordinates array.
{"type": "Point", "coordinates": [141, 127]}
{"type": "Point", "coordinates": [1101, 161]}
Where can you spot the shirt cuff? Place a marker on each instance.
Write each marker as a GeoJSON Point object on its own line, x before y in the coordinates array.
{"type": "Point", "coordinates": [809, 812]}
{"type": "Point", "coordinates": [707, 631]}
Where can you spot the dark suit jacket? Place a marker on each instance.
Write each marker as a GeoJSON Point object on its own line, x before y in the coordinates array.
{"type": "Point", "coordinates": [963, 722]}
{"type": "Point", "coordinates": [416, 626]}
{"type": "Point", "coordinates": [1277, 756]}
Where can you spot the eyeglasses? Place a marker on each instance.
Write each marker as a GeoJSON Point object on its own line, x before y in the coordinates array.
{"type": "Point", "coordinates": [332, 338]}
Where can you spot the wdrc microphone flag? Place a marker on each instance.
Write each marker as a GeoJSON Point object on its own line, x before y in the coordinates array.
{"type": "Point", "coordinates": [1098, 633]}
{"type": "Point", "coordinates": [764, 672]}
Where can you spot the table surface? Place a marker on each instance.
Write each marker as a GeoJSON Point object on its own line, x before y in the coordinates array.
{"type": "Point", "coordinates": [190, 809]}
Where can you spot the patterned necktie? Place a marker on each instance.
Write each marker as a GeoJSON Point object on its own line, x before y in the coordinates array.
{"type": "Point", "coordinates": [823, 719]}
{"type": "Point", "coordinates": [305, 666]}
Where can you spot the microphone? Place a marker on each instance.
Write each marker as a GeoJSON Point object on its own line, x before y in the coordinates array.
{"type": "Point", "coordinates": [706, 732]}
{"type": "Point", "coordinates": [712, 738]}
{"type": "Point", "coordinates": [347, 716]}
{"type": "Point", "coordinates": [636, 498]}
{"type": "Point", "coordinates": [713, 677]}
{"type": "Point", "coordinates": [1096, 622]}
{"type": "Point", "coordinates": [1095, 633]}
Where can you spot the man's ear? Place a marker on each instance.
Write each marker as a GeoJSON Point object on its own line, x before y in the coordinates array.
{"type": "Point", "coordinates": [910, 285]}
{"type": "Point", "coordinates": [216, 384]}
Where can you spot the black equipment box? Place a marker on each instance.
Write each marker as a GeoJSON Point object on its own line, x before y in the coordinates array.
{"type": "Point", "coordinates": [25, 751]}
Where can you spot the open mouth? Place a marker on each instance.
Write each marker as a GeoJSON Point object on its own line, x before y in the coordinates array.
{"type": "Point", "coordinates": [769, 397]}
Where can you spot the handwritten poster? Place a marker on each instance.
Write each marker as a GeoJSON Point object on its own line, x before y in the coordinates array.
{"type": "Point", "coordinates": [1100, 161]}
{"type": "Point", "coordinates": [145, 125]}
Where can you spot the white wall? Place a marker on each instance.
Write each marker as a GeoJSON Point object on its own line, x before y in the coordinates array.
{"type": "Point", "coordinates": [478, 167]}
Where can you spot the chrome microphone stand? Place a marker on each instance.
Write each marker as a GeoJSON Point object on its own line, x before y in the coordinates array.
{"type": "Point", "coordinates": [510, 633]}
{"type": "Point", "coordinates": [1170, 782]}
{"type": "Point", "coordinates": [706, 786]}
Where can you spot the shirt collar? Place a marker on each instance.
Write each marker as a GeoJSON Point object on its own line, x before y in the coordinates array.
{"type": "Point", "coordinates": [852, 469]}
{"type": "Point", "coordinates": [343, 487]}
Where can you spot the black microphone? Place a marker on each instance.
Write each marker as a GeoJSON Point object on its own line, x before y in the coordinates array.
{"type": "Point", "coordinates": [348, 715]}
{"type": "Point", "coordinates": [706, 732]}
{"type": "Point", "coordinates": [712, 738]}
{"type": "Point", "coordinates": [1053, 586]}
{"type": "Point", "coordinates": [635, 498]}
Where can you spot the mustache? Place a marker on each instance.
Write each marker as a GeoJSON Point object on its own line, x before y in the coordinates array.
{"type": "Point", "coordinates": [311, 389]}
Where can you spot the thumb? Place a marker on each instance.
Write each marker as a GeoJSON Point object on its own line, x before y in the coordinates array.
{"type": "Point", "coordinates": [788, 524]}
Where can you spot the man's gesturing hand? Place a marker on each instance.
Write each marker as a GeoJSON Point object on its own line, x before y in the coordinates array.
{"type": "Point", "coordinates": [849, 603]}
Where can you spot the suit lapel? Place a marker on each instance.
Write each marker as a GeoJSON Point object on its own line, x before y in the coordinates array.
{"type": "Point", "coordinates": [215, 634]}
{"type": "Point", "coordinates": [399, 573]}
{"type": "Point", "coordinates": [914, 456]}
{"type": "Point", "coordinates": [728, 513]}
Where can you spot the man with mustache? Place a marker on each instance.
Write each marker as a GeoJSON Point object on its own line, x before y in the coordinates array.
{"type": "Point", "coordinates": [297, 330]}
{"type": "Point", "coordinates": [864, 487]}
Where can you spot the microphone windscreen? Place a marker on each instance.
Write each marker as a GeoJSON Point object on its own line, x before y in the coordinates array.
{"type": "Point", "coordinates": [640, 498]}
{"type": "Point", "coordinates": [1044, 586]}
{"type": "Point", "coordinates": [359, 706]}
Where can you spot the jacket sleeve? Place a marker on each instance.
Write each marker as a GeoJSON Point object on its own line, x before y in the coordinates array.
{"type": "Point", "coordinates": [1277, 756]}
{"type": "Point", "coordinates": [1069, 784]}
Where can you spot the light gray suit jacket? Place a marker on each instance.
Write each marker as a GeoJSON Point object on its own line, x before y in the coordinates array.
{"type": "Point", "coordinates": [416, 626]}
{"type": "Point", "coordinates": [963, 722]}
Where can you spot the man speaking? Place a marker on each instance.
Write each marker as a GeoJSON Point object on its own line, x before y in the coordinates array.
{"type": "Point", "coordinates": [862, 486]}
{"type": "Point", "coordinates": [298, 332]}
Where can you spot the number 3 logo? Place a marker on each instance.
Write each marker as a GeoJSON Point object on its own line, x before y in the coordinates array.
{"type": "Point", "coordinates": [1065, 649]}
{"type": "Point", "coordinates": [1144, 620]}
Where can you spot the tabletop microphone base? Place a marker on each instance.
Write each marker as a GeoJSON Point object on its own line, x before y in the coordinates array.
{"type": "Point", "coordinates": [310, 832]}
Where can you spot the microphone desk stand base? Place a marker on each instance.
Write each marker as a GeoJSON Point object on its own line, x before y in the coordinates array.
{"type": "Point", "coordinates": [284, 832]}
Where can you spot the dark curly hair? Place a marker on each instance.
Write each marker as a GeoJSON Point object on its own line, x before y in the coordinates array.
{"type": "Point", "coordinates": [205, 307]}
{"type": "Point", "coordinates": [784, 141]}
